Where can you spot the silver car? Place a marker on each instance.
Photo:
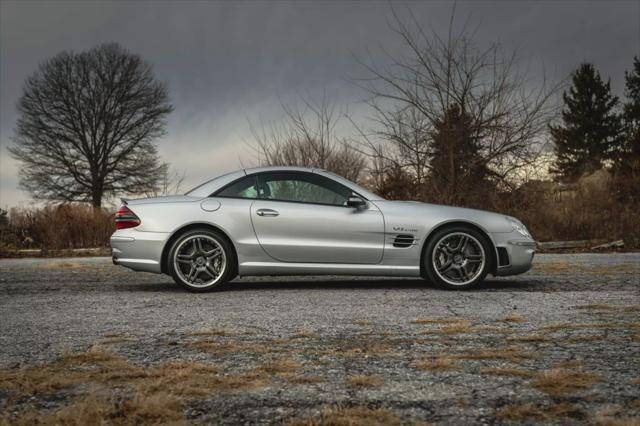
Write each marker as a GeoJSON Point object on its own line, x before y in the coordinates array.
{"type": "Point", "coordinates": [300, 221]}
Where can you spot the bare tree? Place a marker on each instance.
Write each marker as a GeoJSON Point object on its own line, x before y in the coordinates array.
{"type": "Point", "coordinates": [87, 126]}
{"type": "Point", "coordinates": [307, 137]}
{"type": "Point", "coordinates": [169, 182]}
{"type": "Point", "coordinates": [504, 117]}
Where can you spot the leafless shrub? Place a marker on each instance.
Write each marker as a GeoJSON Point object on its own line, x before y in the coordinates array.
{"type": "Point", "coordinates": [65, 226]}
{"type": "Point", "coordinates": [308, 138]}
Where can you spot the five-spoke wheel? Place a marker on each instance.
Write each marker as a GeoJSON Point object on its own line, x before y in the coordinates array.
{"type": "Point", "coordinates": [457, 257]}
{"type": "Point", "coordinates": [201, 260]}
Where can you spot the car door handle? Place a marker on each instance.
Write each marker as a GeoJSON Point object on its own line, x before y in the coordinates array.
{"type": "Point", "coordinates": [267, 212]}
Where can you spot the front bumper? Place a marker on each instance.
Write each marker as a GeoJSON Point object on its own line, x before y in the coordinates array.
{"type": "Point", "coordinates": [140, 251]}
{"type": "Point", "coordinates": [515, 253]}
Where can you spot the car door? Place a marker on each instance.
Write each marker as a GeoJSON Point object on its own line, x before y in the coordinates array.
{"type": "Point", "coordinates": [303, 217]}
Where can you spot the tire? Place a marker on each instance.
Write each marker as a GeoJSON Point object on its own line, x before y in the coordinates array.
{"type": "Point", "coordinates": [202, 260]}
{"type": "Point", "coordinates": [457, 257]}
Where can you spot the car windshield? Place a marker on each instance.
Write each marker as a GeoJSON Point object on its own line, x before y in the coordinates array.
{"type": "Point", "coordinates": [357, 188]}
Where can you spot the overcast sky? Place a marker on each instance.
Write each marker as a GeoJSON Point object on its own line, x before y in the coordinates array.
{"type": "Point", "coordinates": [229, 62]}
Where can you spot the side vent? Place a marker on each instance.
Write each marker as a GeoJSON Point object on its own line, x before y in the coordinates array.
{"type": "Point", "coordinates": [503, 257]}
{"type": "Point", "coordinates": [404, 241]}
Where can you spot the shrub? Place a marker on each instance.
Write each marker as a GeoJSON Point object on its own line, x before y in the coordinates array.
{"type": "Point", "coordinates": [65, 226]}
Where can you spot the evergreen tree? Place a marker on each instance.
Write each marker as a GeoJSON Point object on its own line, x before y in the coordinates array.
{"type": "Point", "coordinates": [458, 174]}
{"type": "Point", "coordinates": [627, 165]}
{"type": "Point", "coordinates": [591, 130]}
{"type": "Point", "coordinates": [631, 113]}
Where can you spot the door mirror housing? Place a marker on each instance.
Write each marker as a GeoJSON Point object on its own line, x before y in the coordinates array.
{"type": "Point", "coordinates": [356, 202]}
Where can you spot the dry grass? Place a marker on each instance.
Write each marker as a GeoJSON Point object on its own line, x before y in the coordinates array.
{"type": "Point", "coordinates": [511, 354]}
{"type": "Point", "coordinates": [585, 338]}
{"type": "Point", "coordinates": [569, 363]}
{"type": "Point", "coordinates": [232, 347]}
{"type": "Point", "coordinates": [110, 338]}
{"type": "Point", "coordinates": [436, 364]}
{"type": "Point", "coordinates": [361, 381]}
{"type": "Point", "coordinates": [160, 408]}
{"type": "Point", "coordinates": [495, 330]}
{"type": "Point", "coordinates": [555, 267]}
{"type": "Point", "coordinates": [530, 412]}
{"type": "Point", "coordinates": [534, 338]}
{"type": "Point", "coordinates": [159, 392]}
{"type": "Point", "coordinates": [304, 333]}
{"type": "Point", "coordinates": [114, 340]}
{"type": "Point", "coordinates": [435, 321]}
{"type": "Point", "coordinates": [303, 379]}
{"type": "Point", "coordinates": [497, 371]}
{"type": "Point", "coordinates": [457, 327]}
{"type": "Point", "coordinates": [614, 415]}
{"type": "Point", "coordinates": [60, 265]}
{"type": "Point", "coordinates": [513, 319]}
{"type": "Point", "coordinates": [596, 307]}
{"type": "Point", "coordinates": [354, 416]}
{"type": "Point", "coordinates": [211, 332]}
{"type": "Point", "coordinates": [614, 270]}
{"type": "Point", "coordinates": [362, 348]}
{"type": "Point", "coordinates": [566, 326]}
{"type": "Point", "coordinates": [278, 366]}
{"type": "Point", "coordinates": [561, 382]}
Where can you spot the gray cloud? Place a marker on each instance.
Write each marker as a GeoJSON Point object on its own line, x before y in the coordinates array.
{"type": "Point", "coordinates": [225, 62]}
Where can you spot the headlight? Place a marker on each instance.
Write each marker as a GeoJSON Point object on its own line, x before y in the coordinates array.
{"type": "Point", "coordinates": [518, 226]}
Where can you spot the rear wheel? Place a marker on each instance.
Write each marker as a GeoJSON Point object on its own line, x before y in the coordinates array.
{"type": "Point", "coordinates": [201, 260]}
{"type": "Point", "coordinates": [457, 257]}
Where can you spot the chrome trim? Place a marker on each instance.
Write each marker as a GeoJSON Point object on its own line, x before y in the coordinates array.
{"type": "Point", "coordinates": [120, 239]}
{"type": "Point", "coordinates": [143, 261]}
{"type": "Point", "coordinates": [522, 243]}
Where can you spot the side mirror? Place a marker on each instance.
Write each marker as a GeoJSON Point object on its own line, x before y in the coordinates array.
{"type": "Point", "coordinates": [356, 202]}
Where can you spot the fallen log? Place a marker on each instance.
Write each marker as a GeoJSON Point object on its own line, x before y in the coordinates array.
{"type": "Point", "coordinates": [550, 245]}
{"type": "Point", "coordinates": [612, 244]}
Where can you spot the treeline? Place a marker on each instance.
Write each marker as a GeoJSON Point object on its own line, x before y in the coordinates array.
{"type": "Point", "coordinates": [450, 122]}
{"type": "Point", "coordinates": [455, 123]}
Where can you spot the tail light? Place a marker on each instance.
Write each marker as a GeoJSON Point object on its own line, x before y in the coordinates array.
{"type": "Point", "coordinates": [125, 218]}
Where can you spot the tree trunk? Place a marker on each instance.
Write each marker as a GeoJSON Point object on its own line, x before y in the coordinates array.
{"type": "Point", "coordinates": [96, 198]}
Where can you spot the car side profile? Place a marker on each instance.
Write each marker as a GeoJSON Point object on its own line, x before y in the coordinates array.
{"type": "Point", "coordinates": [301, 221]}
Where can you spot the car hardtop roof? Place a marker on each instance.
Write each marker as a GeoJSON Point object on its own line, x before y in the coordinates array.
{"type": "Point", "coordinates": [209, 187]}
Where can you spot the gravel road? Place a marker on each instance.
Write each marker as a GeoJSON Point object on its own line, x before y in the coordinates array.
{"type": "Point", "coordinates": [558, 344]}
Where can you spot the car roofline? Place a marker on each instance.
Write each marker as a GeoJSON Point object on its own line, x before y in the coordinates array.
{"type": "Point", "coordinates": [212, 185]}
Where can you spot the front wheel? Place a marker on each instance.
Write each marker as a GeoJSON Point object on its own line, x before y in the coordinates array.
{"type": "Point", "coordinates": [201, 260]}
{"type": "Point", "coordinates": [457, 257]}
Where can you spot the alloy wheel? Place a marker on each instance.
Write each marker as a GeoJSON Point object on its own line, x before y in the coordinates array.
{"type": "Point", "coordinates": [200, 260]}
{"type": "Point", "coordinates": [458, 258]}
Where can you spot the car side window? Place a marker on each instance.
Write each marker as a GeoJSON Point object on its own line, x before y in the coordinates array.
{"type": "Point", "coordinates": [243, 188]}
{"type": "Point", "coordinates": [302, 188]}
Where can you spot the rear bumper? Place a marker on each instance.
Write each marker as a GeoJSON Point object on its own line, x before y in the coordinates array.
{"type": "Point", "coordinates": [140, 251]}
{"type": "Point", "coordinates": [519, 252]}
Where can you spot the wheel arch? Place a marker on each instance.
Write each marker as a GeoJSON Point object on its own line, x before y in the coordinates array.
{"type": "Point", "coordinates": [164, 261]}
{"type": "Point", "coordinates": [460, 222]}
